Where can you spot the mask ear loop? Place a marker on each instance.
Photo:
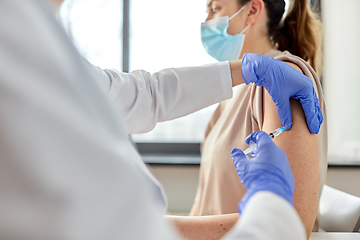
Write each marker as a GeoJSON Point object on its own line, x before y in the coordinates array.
{"type": "Point", "coordinates": [246, 28]}
{"type": "Point", "coordinates": [234, 15]}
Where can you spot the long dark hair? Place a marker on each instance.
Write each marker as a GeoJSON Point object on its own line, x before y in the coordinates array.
{"type": "Point", "coordinates": [299, 32]}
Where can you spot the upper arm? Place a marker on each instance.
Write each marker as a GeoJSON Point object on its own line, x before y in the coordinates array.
{"type": "Point", "coordinates": [301, 148]}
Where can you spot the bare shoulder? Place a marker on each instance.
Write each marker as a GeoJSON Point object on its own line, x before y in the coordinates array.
{"type": "Point", "coordinates": [301, 148]}
{"type": "Point", "coordinates": [294, 66]}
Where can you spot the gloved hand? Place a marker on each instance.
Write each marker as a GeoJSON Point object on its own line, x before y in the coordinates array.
{"type": "Point", "coordinates": [269, 170]}
{"type": "Point", "coordinates": [283, 82]}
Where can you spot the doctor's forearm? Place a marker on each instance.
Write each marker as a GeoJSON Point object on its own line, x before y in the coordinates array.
{"type": "Point", "coordinates": [204, 227]}
{"type": "Point", "coordinates": [235, 69]}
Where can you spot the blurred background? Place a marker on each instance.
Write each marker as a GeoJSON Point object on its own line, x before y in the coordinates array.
{"type": "Point", "coordinates": [152, 35]}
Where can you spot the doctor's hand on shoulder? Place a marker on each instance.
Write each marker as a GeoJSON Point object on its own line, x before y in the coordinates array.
{"type": "Point", "coordinates": [269, 170]}
{"type": "Point", "coordinates": [282, 83]}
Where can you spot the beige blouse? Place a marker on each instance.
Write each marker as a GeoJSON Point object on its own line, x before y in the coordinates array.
{"type": "Point", "coordinates": [231, 123]}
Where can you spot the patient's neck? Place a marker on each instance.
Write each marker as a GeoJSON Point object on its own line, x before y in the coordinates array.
{"type": "Point", "coordinates": [257, 43]}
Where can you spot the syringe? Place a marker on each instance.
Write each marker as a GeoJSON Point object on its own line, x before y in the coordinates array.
{"type": "Point", "coordinates": [272, 135]}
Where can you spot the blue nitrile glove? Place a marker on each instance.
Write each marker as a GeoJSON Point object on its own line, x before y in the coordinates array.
{"type": "Point", "coordinates": [269, 170]}
{"type": "Point", "coordinates": [282, 83]}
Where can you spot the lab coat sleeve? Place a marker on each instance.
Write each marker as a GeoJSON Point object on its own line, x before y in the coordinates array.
{"type": "Point", "coordinates": [143, 99]}
{"type": "Point", "coordinates": [268, 217]}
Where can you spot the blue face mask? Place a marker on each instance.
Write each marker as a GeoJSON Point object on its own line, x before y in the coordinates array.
{"type": "Point", "coordinates": [218, 43]}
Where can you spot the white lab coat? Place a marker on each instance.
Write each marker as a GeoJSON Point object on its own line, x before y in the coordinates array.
{"type": "Point", "coordinates": [143, 99]}
{"type": "Point", "coordinates": [67, 169]}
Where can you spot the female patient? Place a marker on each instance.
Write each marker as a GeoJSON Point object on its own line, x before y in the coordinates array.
{"type": "Point", "coordinates": [270, 33]}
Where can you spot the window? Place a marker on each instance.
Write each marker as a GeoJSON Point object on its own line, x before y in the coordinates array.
{"type": "Point", "coordinates": [158, 39]}
{"type": "Point", "coordinates": [95, 29]}
{"type": "Point", "coordinates": [342, 80]}
{"type": "Point", "coordinates": [165, 34]}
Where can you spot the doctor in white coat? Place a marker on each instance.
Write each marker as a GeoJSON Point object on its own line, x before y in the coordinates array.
{"type": "Point", "coordinates": [67, 169]}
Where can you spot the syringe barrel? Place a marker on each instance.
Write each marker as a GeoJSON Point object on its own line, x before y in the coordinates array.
{"type": "Point", "coordinates": [272, 135]}
{"type": "Point", "coordinates": [252, 148]}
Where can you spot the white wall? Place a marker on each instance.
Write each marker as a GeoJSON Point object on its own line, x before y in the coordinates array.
{"type": "Point", "coordinates": [342, 77]}
{"type": "Point", "coordinates": [180, 184]}
{"type": "Point", "coordinates": [344, 179]}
